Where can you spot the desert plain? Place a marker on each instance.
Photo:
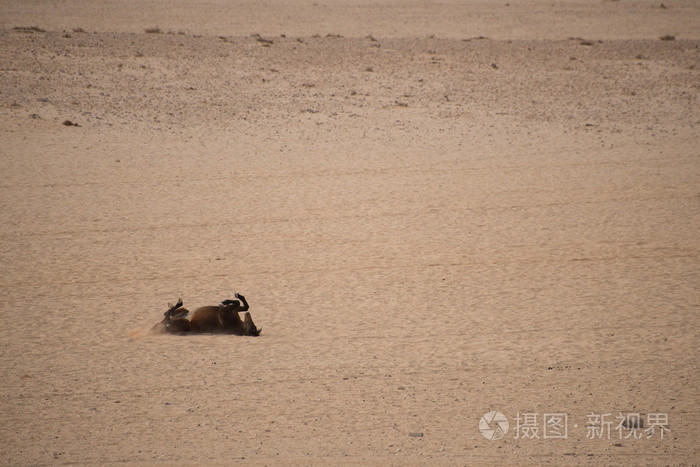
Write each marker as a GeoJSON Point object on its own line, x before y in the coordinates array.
{"type": "Point", "coordinates": [437, 211]}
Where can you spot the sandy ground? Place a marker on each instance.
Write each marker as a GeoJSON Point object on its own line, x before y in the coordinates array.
{"type": "Point", "coordinates": [435, 210]}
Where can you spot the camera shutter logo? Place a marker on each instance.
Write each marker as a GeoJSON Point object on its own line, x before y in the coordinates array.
{"type": "Point", "coordinates": [493, 425]}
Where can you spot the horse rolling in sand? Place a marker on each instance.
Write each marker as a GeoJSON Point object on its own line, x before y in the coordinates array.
{"type": "Point", "coordinates": [219, 319]}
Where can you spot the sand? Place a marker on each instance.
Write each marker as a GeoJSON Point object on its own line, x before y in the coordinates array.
{"type": "Point", "coordinates": [435, 210]}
